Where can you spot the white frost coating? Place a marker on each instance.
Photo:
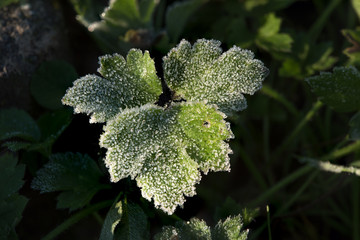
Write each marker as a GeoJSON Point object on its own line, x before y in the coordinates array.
{"type": "Point", "coordinates": [202, 72]}
{"type": "Point", "coordinates": [125, 84]}
{"type": "Point", "coordinates": [164, 149]}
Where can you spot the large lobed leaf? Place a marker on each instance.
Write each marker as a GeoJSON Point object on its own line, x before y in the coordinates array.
{"type": "Point", "coordinates": [339, 89]}
{"type": "Point", "coordinates": [164, 149]}
{"type": "Point", "coordinates": [202, 72]}
{"type": "Point", "coordinates": [125, 84]}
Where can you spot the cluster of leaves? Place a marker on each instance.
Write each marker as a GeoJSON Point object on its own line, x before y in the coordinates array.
{"type": "Point", "coordinates": [126, 24]}
{"type": "Point", "coordinates": [164, 148]}
{"type": "Point", "coordinates": [164, 133]}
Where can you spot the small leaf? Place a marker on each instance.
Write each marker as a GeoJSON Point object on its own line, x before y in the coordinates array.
{"type": "Point", "coordinates": [113, 218]}
{"type": "Point", "coordinates": [178, 14]}
{"type": "Point", "coordinates": [353, 52]}
{"type": "Point", "coordinates": [125, 221]}
{"type": "Point", "coordinates": [76, 175]}
{"type": "Point", "coordinates": [202, 72]}
{"type": "Point", "coordinates": [87, 10]}
{"type": "Point", "coordinates": [52, 124]}
{"type": "Point", "coordinates": [11, 203]}
{"type": "Point", "coordinates": [307, 58]}
{"type": "Point", "coordinates": [340, 89]}
{"type": "Point", "coordinates": [133, 224]}
{"type": "Point", "coordinates": [19, 124]}
{"type": "Point", "coordinates": [163, 149]}
{"type": "Point", "coordinates": [269, 37]}
{"type": "Point", "coordinates": [355, 127]}
{"type": "Point", "coordinates": [50, 81]}
{"type": "Point", "coordinates": [230, 229]}
{"type": "Point", "coordinates": [122, 25]}
{"type": "Point", "coordinates": [125, 84]}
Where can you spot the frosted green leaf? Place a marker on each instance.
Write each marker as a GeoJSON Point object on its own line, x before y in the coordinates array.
{"type": "Point", "coordinates": [164, 149]}
{"type": "Point", "coordinates": [193, 229]}
{"type": "Point", "coordinates": [76, 175]}
{"type": "Point", "coordinates": [11, 203]}
{"type": "Point", "coordinates": [125, 84]}
{"type": "Point", "coordinates": [230, 229]}
{"type": "Point", "coordinates": [202, 72]}
{"type": "Point", "coordinates": [339, 89]}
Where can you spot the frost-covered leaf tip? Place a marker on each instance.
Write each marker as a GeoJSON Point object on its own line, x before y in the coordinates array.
{"type": "Point", "coordinates": [229, 229]}
{"type": "Point", "coordinates": [165, 149]}
{"type": "Point", "coordinates": [125, 84]}
{"type": "Point", "coordinates": [202, 72]}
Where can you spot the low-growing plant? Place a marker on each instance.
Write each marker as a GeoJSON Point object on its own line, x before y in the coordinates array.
{"type": "Point", "coordinates": [175, 148]}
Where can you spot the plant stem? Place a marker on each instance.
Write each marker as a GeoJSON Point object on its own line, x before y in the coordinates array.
{"type": "Point", "coordinates": [356, 209]}
{"type": "Point", "coordinates": [297, 194]}
{"type": "Point", "coordinates": [280, 98]}
{"type": "Point", "coordinates": [298, 129]}
{"type": "Point", "coordinates": [75, 218]}
{"type": "Point", "coordinates": [342, 151]}
{"type": "Point", "coordinates": [268, 221]}
{"type": "Point", "coordinates": [284, 182]}
{"type": "Point", "coordinates": [319, 24]}
{"type": "Point", "coordinates": [252, 168]}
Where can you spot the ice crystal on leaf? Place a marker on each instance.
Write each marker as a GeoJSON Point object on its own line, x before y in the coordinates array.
{"type": "Point", "coordinates": [125, 84]}
{"type": "Point", "coordinates": [203, 72]}
{"type": "Point", "coordinates": [165, 149]}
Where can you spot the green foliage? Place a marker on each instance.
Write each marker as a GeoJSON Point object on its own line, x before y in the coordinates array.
{"type": "Point", "coordinates": [75, 175]}
{"type": "Point", "coordinates": [202, 72]}
{"type": "Point", "coordinates": [340, 89]}
{"type": "Point", "coordinates": [11, 203]}
{"type": "Point", "coordinates": [230, 229]}
{"type": "Point", "coordinates": [164, 148]}
{"type": "Point", "coordinates": [22, 132]}
{"type": "Point", "coordinates": [269, 38]}
{"type": "Point", "coordinates": [177, 16]}
{"type": "Point", "coordinates": [122, 25]}
{"type": "Point", "coordinates": [16, 123]}
{"type": "Point", "coordinates": [113, 218]}
{"type": "Point", "coordinates": [125, 84]}
{"type": "Point", "coordinates": [125, 221]}
{"type": "Point", "coordinates": [353, 52]}
{"type": "Point", "coordinates": [356, 6]}
{"type": "Point", "coordinates": [50, 81]}
{"type": "Point", "coordinates": [307, 58]}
